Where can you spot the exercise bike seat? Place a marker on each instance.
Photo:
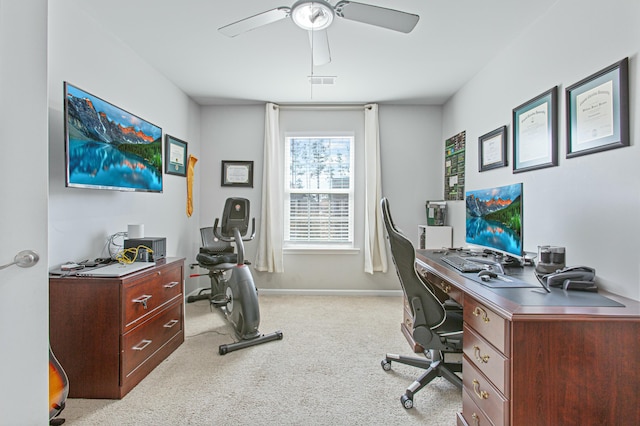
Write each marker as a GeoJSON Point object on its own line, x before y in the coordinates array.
{"type": "Point", "coordinates": [220, 261]}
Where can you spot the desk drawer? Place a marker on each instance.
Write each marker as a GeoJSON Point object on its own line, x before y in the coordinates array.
{"type": "Point", "coordinates": [142, 343]}
{"type": "Point", "coordinates": [487, 359]}
{"type": "Point", "coordinates": [471, 413]}
{"type": "Point", "coordinates": [449, 290]}
{"type": "Point", "coordinates": [488, 324]}
{"type": "Point", "coordinates": [142, 297]}
{"type": "Point", "coordinates": [484, 396]}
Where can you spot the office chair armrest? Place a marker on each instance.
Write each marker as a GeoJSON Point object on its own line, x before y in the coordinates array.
{"type": "Point", "coordinates": [419, 319]}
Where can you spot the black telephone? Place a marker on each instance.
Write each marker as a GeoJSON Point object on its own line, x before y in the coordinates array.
{"type": "Point", "coordinates": [573, 278]}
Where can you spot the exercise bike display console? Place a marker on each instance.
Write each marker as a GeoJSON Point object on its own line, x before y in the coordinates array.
{"type": "Point", "coordinates": [232, 286]}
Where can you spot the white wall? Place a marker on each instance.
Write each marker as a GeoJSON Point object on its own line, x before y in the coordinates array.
{"type": "Point", "coordinates": [24, 292]}
{"type": "Point", "coordinates": [588, 204]}
{"type": "Point", "coordinates": [412, 163]}
{"type": "Point", "coordinates": [84, 53]}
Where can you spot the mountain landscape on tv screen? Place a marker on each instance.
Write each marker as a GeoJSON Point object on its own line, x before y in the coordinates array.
{"type": "Point", "coordinates": [97, 126]}
{"type": "Point", "coordinates": [110, 148]}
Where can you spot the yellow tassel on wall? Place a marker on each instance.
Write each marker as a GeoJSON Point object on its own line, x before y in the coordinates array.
{"type": "Point", "coordinates": [190, 165]}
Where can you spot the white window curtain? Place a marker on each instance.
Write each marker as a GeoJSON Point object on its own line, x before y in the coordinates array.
{"type": "Point", "coordinates": [269, 257]}
{"type": "Point", "coordinates": [375, 253]}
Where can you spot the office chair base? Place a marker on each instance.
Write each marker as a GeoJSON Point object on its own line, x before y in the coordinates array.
{"type": "Point", "coordinates": [435, 368]}
{"type": "Point", "coordinates": [264, 338]}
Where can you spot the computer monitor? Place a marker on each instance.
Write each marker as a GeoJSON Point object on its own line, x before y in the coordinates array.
{"type": "Point", "coordinates": [494, 218]}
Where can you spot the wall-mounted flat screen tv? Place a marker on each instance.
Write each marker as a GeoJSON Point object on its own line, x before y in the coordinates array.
{"type": "Point", "coordinates": [109, 148]}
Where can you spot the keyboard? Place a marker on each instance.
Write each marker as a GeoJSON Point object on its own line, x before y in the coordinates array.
{"type": "Point", "coordinates": [462, 264]}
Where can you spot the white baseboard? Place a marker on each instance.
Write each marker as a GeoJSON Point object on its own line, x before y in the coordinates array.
{"type": "Point", "coordinates": [305, 292]}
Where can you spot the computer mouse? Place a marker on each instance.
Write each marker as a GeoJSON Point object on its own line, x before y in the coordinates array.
{"type": "Point", "coordinates": [486, 275]}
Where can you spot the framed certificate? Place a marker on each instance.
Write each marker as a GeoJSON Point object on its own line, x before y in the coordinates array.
{"type": "Point", "coordinates": [535, 133]}
{"type": "Point", "coordinates": [175, 152]}
{"type": "Point", "coordinates": [237, 173]}
{"type": "Point", "coordinates": [492, 149]}
{"type": "Point", "coordinates": [598, 111]}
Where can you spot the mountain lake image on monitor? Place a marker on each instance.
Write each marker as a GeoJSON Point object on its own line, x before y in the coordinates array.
{"type": "Point", "coordinates": [109, 148]}
{"type": "Point", "coordinates": [494, 219]}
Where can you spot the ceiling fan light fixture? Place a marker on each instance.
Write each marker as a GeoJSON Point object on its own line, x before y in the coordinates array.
{"type": "Point", "coordinates": [312, 15]}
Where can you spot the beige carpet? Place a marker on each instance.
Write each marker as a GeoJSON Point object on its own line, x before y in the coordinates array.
{"type": "Point", "coordinates": [325, 371]}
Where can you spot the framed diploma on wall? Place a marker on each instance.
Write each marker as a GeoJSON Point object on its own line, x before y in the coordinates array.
{"type": "Point", "coordinates": [175, 151]}
{"type": "Point", "coordinates": [598, 111]}
{"type": "Point", "coordinates": [492, 149]}
{"type": "Point", "coordinates": [535, 133]}
{"type": "Point", "coordinates": [237, 173]}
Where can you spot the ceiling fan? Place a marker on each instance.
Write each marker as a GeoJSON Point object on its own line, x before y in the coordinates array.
{"type": "Point", "coordinates": [316, 16]}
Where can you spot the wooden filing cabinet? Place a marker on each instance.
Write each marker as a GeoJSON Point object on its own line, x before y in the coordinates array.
{"type": "Point", "coordinates": [109, 333]}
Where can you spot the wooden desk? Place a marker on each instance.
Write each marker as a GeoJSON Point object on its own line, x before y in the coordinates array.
{"type": "Point", "coordinates": [109, 333]}
{"type": "Point", "coordinates": [543, 365]}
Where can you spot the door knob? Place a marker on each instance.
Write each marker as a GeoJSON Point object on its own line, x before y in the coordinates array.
{"type": "Point", "coordinates": [24, 259]}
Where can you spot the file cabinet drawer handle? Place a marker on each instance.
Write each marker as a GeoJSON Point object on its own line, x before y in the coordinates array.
{"type": "Point", "coordinates": [172, 284]}
{"type": "Point", "coordinates": [143, 300]}
{"type": "Point", "coordinates": [171, 323]}
{"type": "Point", "coordinates": [477, 311]}
{"type": "Point", "coordinates": [478, 392]}
{"type": "Point", "coordinates": [480, 358]}
{"type": "Point", "coordinates": [140, 346]}
{"type": "Point", "coordinates": [476, 419]}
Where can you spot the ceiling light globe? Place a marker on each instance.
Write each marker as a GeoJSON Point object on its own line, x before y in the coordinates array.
{"type": "Point", "coordinates": [312, 15]}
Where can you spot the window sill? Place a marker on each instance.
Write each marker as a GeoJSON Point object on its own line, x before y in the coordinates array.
{"type": "Point", "coordinates": [321, 250]}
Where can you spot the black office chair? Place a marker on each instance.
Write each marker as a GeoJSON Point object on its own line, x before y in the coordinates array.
{"type": "Point", "coordinates": [437, 329]}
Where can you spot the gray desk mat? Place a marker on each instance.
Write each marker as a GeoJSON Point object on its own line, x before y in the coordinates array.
{"type": "Point", "coordinates": [531, 293]}
{"type": "Point", "coordinates": [504, 282]}
{"type": "Point", "coordinates": [557, 297]}
{"type": "Point", "coordinates": [527, 291]}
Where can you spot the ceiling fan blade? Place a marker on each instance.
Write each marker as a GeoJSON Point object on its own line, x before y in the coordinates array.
{"type": "Point", "coordinates": [319, 47]}
{"type": "Point", "coordinates": [255, 21]}
{"type": "Point", "coordinates": [375, 15]}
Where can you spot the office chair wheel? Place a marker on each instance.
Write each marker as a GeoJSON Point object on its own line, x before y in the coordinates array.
{"type": "Point", "coordinates": [407, 402]}
{"type": "Point", "coordinates": [386, 364]}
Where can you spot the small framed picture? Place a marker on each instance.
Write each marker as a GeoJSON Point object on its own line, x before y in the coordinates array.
{"type": "Point", "coordinates": [237, 173]}
{"type": "Point", "coordinates": [598, 111]}
{"type": "Point", "coordinates": [535, 133]}
{"type": "Point", "coordinates": [492, 149]}
{"type": "Point", "coordinates": [175, 152]}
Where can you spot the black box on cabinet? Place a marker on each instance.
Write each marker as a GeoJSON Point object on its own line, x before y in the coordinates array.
{"type": "Point", "coordinates": [158, 246]}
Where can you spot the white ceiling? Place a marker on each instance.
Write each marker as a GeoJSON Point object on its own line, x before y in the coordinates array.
{"type": "Point", "coordinates": [453, 40]}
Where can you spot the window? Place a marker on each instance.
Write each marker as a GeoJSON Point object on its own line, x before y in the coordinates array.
{"type": "Point", "coordinates": [319, 191]}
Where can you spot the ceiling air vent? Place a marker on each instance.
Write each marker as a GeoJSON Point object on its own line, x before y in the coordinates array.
{"type": "Point", "coordinates": [322, 79]}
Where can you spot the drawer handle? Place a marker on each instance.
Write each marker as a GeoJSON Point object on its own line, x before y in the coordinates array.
{"type": "Point", "coordinates": [142, 300]}
{"type": "Point", "coordinates": [476, 419]}
{"type": "Point", "coordinates": [445, 287]}
{"type": "Point", "coordinates": [477, 391]}
{"type": "Point", "coordinates": [172, 284]}
{"type": "Point", "coordinates": [140, 346]}
{"type": "Point", "coordinates": [481, 358]}
{"type": "Point", "coordinates": [171, 323]}
{"type": "Point", "coordinates": [479, 311]}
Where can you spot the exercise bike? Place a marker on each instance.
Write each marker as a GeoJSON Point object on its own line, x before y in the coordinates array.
{"type": "Point", "coordinates": [232, 287]}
